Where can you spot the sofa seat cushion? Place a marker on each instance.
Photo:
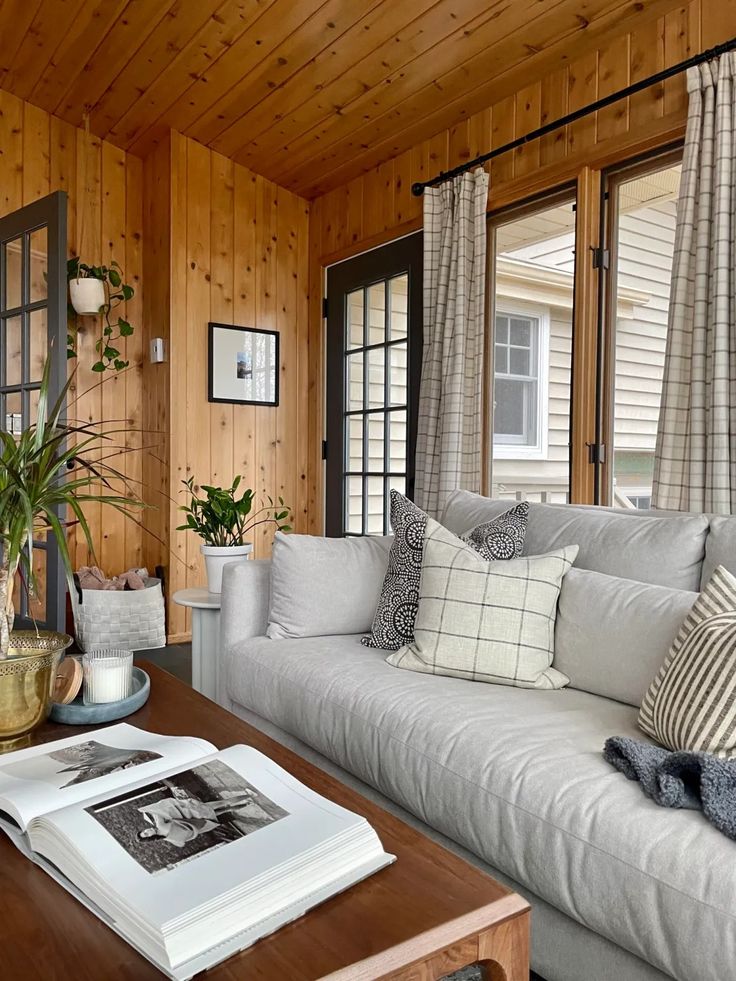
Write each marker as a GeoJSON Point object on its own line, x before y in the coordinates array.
{"type": "Point", "coordinates": [665, 551]}
{"type": "Point", "coordinates": [517, 777]}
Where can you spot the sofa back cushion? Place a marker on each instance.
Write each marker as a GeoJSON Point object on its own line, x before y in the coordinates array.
{"type": "Point", "coordinates": [657, 549]}
{"type": "Point", "coordinates": [322, 586]}
{"type": "Point", "coordinates": [720, 547]}
{"type": "Point", "coordinates": [613, 635]}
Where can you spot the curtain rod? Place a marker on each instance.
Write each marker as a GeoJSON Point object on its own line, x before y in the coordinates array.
{"type": "Point", "coordinates": [444, 175]}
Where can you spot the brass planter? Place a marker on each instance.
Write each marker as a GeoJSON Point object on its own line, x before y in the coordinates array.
{"type": "Point", "coordinates": [27, 678]}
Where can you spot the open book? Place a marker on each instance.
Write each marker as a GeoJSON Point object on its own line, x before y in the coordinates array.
{"type": "Point", "coordinates": [190, 854]}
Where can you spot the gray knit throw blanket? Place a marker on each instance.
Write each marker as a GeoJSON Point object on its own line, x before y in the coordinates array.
{"type": "Point", "coordinates": [698, 781]}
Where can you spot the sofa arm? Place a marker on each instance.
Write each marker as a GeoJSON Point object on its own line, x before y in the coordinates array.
{"type": "Point", "coordinates": [244, 604]}
{"type": "Point", "coordinates": [246, 594]}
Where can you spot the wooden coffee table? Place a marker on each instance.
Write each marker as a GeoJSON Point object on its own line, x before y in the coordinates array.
{"type": "Point", "coordinates": [426, 915]}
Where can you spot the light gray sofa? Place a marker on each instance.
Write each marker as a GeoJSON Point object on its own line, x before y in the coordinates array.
{"type": "Point", "coordinates": [513, 779]}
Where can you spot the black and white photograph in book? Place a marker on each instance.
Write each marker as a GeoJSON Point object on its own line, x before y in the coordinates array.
{"type": "Point", "coordinates": [176, 819]}
{"type": "Point", "coordinates": [79, 763]}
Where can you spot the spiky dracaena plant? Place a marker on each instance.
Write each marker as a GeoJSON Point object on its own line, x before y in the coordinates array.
{"type": "Point", "coordinates": [47, 474]}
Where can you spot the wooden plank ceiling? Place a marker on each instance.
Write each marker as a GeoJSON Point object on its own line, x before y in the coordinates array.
{"type": "Point", "coordinates": [308, 93]}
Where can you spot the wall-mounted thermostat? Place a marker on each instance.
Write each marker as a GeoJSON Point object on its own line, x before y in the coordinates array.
{"type": "Point", "coordinates": [158, 352]}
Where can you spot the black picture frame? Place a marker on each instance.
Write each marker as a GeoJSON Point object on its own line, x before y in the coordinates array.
{"type": "Point", "coordinates": [216, 393]}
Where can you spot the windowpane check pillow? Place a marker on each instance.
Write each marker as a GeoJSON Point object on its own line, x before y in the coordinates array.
{"type": "Point", "coordinates": [393, 623]}
{"type": "Point", "coordinates": [691, 704]}
{"type": "Point", "coordinates": [486, 621]}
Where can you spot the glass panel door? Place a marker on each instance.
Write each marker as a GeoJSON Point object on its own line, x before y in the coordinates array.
{"type": "Point", "coordinates": [373, 364]}
{"type": "Point", "coordinates": [641, 228]}
{"type": "Point", "coordinates": [32, 312]}
{"type": "Point", "coordinates": [532, 275]}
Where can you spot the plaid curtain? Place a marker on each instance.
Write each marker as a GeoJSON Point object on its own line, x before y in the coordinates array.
{"type": "Point", "coordinates": [450, 395]}
{"type": "Point", "coordinates": [695, 458]}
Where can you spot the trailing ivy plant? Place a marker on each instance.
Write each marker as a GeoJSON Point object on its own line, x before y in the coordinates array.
{"type": "Point", "coordinates": [221, 518]}
{"type": "Point", "coordinates": [114, 327]}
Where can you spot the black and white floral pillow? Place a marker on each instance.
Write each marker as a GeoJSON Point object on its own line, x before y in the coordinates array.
{"type": "Point", "coordinates": [501, 537]}
{"type": "Point", "coordinates": [393, 622]}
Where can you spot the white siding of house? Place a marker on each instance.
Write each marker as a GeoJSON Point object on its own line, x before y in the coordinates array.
{"type": "Point", "coordinates": [646, 242]}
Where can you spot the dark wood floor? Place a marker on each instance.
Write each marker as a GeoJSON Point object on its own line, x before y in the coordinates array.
{"type": "Point", "coordinates": [175, 658]}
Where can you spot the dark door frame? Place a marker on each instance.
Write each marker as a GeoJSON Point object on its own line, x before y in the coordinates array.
{"type": "Point", "coordinates": [51, 212]}
{"type": "Point", "coordinates": [402, 255]}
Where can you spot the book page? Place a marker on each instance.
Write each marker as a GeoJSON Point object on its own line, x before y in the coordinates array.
{"type": "Point", "coordinates": [168, 846]}
{"type": "Point", "coordinates": [67, 771]}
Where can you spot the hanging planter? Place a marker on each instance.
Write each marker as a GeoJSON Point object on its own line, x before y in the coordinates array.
{"type": "Point", "coordinates": [87, 296]}
{"type": "Point", "coordinates": [99, 291]}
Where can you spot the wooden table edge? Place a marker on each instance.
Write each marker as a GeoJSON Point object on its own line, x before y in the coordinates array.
{"type": "Point", "coordinates": [494, 931]}
{"type": "Point", "coordinates": [394, 961]}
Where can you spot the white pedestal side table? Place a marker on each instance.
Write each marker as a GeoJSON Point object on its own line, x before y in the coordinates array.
{"type": "Point", "coordinates": [205, 609]}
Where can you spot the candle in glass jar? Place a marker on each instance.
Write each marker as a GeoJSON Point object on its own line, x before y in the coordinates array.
{"type": "Point", "coordinates": [108, 675]}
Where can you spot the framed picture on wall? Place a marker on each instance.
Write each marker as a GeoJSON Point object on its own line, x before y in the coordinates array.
{"type": "Point", "coordinates": [243, 365]}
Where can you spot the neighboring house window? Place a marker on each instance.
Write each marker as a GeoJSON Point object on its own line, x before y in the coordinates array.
{"type": "Point", "coordinates": [638, 497]}
{"type": "Point", "coordinates": [520, 383]}
{"type": "Point", "coordinates": [642, 502]}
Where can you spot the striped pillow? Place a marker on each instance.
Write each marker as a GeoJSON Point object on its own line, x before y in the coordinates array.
{"type": "Point", "coordinates": [691, 704]}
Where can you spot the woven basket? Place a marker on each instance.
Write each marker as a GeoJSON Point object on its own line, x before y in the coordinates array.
{"type": "Point", "coordinates": [132, 619]}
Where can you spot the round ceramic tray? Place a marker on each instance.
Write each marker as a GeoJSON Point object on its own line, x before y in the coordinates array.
{"type": "Point", "coordinates": [76, 713]}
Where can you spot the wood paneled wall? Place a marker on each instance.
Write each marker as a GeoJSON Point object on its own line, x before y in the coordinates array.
{"type": "Point", "coordinates": [379, 205]}
{"type": "Point", "coordinates": [235, 251]}
{"type": "Point", "coordinates": [40, 154]}
{"type": "Point", "coordinates": [220, 244]}
{"type": "Point", "coordinates": [224, 244]}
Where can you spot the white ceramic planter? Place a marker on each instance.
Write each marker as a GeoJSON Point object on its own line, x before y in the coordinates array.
{"type": "Point", "coordinates": [87, 295]}
{"type": "Point", "coordinates": [217, 557]}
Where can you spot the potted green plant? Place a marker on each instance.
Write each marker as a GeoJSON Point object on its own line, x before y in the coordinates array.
{"type": "Point", "coordinates": [95, 291]}
{"type": "Point", "coordinates": [223, 520]}
{"type": "Point", "coordinates": [47, 474]}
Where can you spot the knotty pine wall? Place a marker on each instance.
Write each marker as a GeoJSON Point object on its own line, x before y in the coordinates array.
{"type": "Point", "coordinates": [224, 245]}
{"type": "Point", "coordinates": [379, 206]}
{"type": "Point", "coordinates": [40, 154]}
{"type": "Point", "coordinates": [220, 244]}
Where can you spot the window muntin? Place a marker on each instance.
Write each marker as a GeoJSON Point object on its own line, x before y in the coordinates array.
{"type": "Point", "coordinates": [375, 403]}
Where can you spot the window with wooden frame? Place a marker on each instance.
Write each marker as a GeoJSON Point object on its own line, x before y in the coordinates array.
{"type": "Point", "coordinates": [640, 211]}
{"type": "Point", "coordinates": [570, 275]}
{"type": "Point", "coordinates": [531, 277]}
